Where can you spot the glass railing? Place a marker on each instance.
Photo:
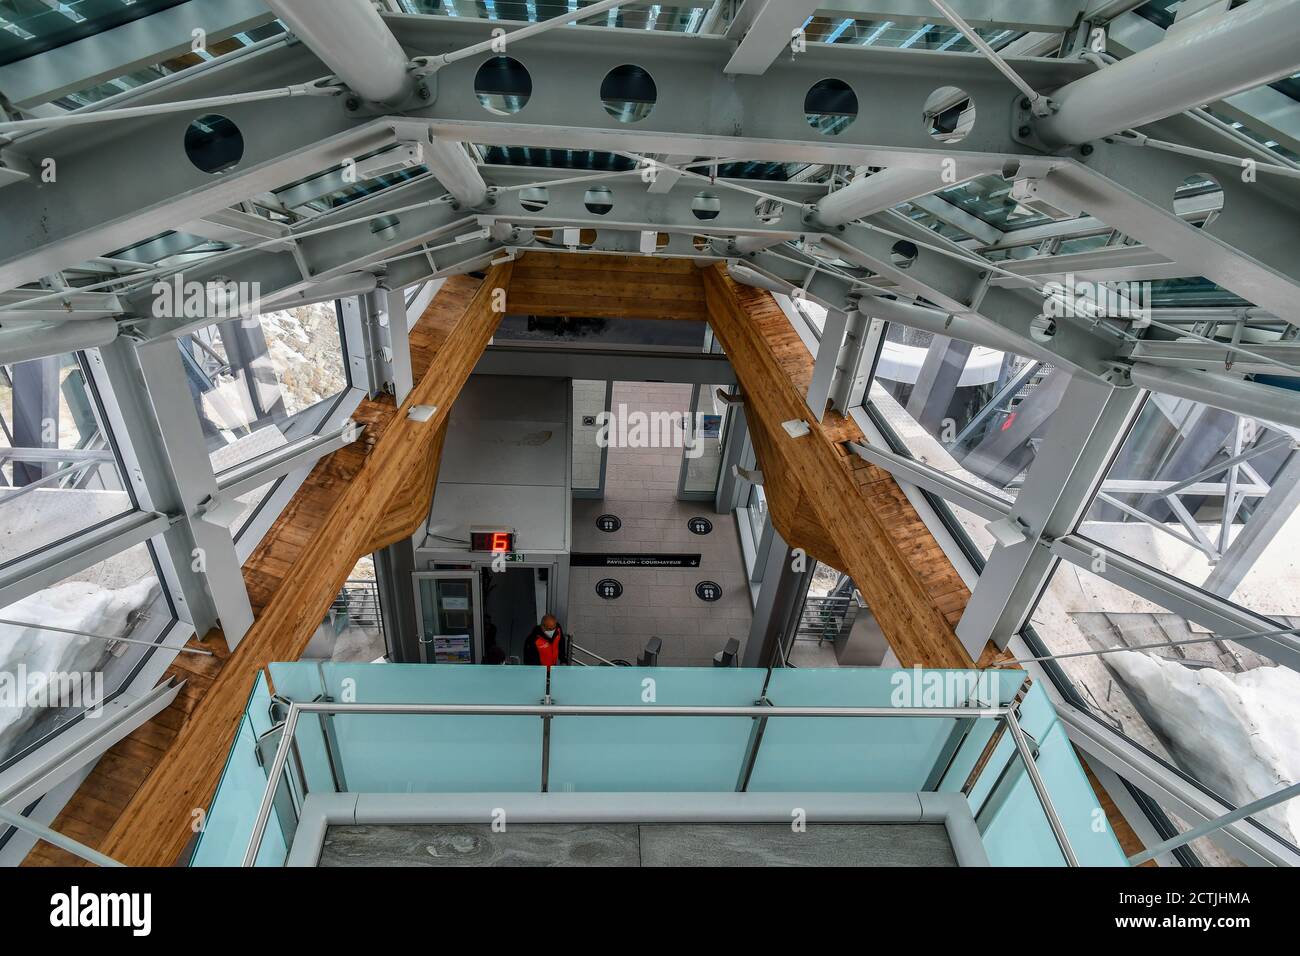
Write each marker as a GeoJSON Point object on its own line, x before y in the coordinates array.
{"type": "Point", "coordinates": [392, 729]}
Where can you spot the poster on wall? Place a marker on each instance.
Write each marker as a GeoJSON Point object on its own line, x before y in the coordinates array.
{"type": "Point", "coordinates": [452, 649]}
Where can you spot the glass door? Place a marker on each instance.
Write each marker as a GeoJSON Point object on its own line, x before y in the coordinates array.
{"type": "Point", "coordinates": [448, 611]}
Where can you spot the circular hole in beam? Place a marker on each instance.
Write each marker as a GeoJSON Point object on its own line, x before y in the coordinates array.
{"type": "Point", "coordinates": [628, 93]}
{"type": "Point", "coordinates": [214, 143]}
{"type": "Point", "coordinates": [503, 85]}
{"type": "Point", "coordinates": [534, 198]}
{"type": "Point", "coordinates": [949, 114]}
{"type": "Point", "coordinates": [1199, 198]}
{"type": "Point", "coordinates": [903, 254]}
{"type": "Point", "coordinates": [598, 200]}
{"type": "Point", "coordinates": [830, 106]}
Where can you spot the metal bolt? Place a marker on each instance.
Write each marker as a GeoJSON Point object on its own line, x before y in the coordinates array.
{"type": "Point", "coordinates": [1024, 103]}
{"type": "Point", "coordinates": [1086, 149]}
{"type": "Point", "coordinates": [1023, 131]}
{"type": "Point", "coordinates": [352, 103]}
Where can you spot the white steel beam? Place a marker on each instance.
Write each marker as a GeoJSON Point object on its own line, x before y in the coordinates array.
{"type": "Point", "coordinates": [353, 40]}
{"type": "Point", "coordinates": [1255, 44]}
{"type": "Point", "coordinates": [769, 32]}
{"type": "Point", "coordinates": [1085, 433]}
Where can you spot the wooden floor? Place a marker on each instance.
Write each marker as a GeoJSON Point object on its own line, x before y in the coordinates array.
{"type": "Point", "coordinates": [138, 804]}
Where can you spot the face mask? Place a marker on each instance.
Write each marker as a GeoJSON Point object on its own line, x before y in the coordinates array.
{"type": "Point", "coordinates": [549, 632]}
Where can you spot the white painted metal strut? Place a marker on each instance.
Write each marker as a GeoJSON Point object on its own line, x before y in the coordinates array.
{"type": "Point", "coordinates": [1255, 44]}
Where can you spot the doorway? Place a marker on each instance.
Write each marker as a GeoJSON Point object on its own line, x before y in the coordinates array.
{"type": "Point", "coordinates": [510, 607]}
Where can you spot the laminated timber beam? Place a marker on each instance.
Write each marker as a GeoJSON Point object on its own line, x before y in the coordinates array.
{"type": "Point", "coordinates": [867, 522]}
{"type": "Point", "coordinates": [351, 499]}
{"type": "Point", "coordinates": [607, 286]}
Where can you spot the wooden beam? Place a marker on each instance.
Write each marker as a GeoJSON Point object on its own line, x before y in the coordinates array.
{"type": "Point", "coordinates": [299, 568]}
{"type": "Point", "coordinates": [601, 286]}
{"type": "Point", "coordinates": [409, 507]}
{"type": "Point", "coordinates": [881, 542]}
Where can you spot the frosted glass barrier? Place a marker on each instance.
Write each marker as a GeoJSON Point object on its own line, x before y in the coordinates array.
{"type": "Point", "coordinates": [877, 754]}
{"type": "Point", "coordinates": [1011, 820]}
{"type": "Point", "coordinates": [651, 753]}
{"type": "Point", "coordinates": [229, 822]}
{"type": "Point", "coordinates": [413, 753]}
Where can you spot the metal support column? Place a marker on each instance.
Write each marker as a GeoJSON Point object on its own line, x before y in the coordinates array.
{"type": "Point", "coordinates": [1086, 430]}
{"type": "Point", "coordinates": [937, 381]}
{"type": "Point", "coordinates": [173, 475]}
{"type": "Point", "coordinates": [780, 597]}
{"type": "Point", "coordinates": [1266, 521]}
{"type": "Point", "coordinates": [394, 566]}
{"type": "Point", "coordinates": [730, 485]}
{"type": "Point", "coordinates": [35, 417]}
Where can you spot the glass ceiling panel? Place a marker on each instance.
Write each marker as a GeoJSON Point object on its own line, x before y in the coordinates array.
{"type": "Point", "coordinates": [673, 17]}
{"type": "Point", "coordinates": [148, 74]}
{"type": "Point", "coordinates": [910, 36]}
{"type": "Point", "coordinates": [988, 198]}
{"type": "Point", "coordinates": [28, 27]}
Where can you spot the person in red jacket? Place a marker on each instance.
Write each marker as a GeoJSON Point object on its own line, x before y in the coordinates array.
{"type": "Point", "coordinates": [545, 644]}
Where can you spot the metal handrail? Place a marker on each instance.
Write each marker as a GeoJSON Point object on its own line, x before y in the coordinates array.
{"type": "Point", "coordinates": [1004, 714]}
{"type": "Point", "coordinates": [582, 650]}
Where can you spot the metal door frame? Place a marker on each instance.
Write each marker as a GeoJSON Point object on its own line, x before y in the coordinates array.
{"type": "Point", "coordinates": [476, 598]}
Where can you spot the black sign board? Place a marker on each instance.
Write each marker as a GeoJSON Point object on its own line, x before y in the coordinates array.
{"type": "Point", "coordinates": [609, 523]}
{"type": "Point", "coordinates": [580, 560]}
{"type": "Point", "coordinates": [609, 589]}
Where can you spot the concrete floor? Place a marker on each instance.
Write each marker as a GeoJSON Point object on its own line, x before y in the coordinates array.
{"type": "Point", "coordinates": [629, 844]}
{"type": "Point", "coordinates": [641, 489]}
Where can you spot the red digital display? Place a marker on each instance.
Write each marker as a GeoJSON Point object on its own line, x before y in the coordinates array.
{"type": "Point", "coordinates": [494, 542]}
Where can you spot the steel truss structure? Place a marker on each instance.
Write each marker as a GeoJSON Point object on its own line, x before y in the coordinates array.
{"type": "Point", "coordinates": [360, 150]}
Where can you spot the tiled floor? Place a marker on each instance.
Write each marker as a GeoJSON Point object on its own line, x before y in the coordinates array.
{"type": "Point", "coordinates": [641, 489]}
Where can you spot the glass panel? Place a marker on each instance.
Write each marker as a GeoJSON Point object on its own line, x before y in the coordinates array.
{"type": "Point", "coordinates": [650, 753]}
{"type": "Point", "coordinates": [28, 27]}
{"type": "Point", "coordinates": [229, 823]}
{"type": "Point", "coordinates": [1233, 531]}
{"type": "Point", "coordinates": [756, 512]}
{"type": "Point", "coordinates": [447, 619]}
{"type": "Point", "coordinates": [413, 753]}
{"type": "Point", "coordinates": [259, 384]}
{"type": "Point", "coordinates": [704, 455]}
{"type": "Point", "coordinates": [1217, 710]}
{"type": "Point", "coordinates": [916, 36]}
{"type": "Point", "coordinates": [973, 412]}
{"type": "Point", "coordinates": [59, 646]}
{"type": "Point", "coordinates": [58, 469]}
{"type": "Point", "coordinates": [140, 76]}
{"type": "Point", "coordinates": [682, 17]}
{"type": "Point", "coordinates": [588, 404]}
{"type": "Point", "coordinates": [1014, 825]}
{"type": "Point", "coordinates": [887, 754]}
{"type": "Point", "coordinates": [988, 198]}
